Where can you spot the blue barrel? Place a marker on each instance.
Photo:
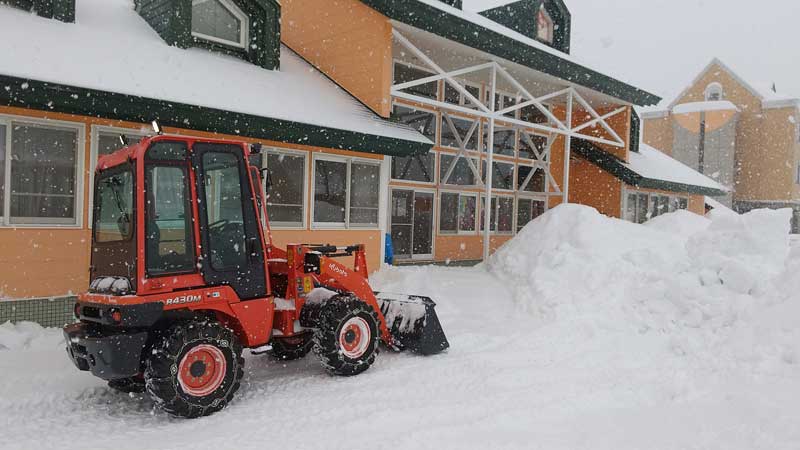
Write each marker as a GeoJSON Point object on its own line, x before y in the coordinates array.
{"type": "Point", "coordinates": [388, 250]}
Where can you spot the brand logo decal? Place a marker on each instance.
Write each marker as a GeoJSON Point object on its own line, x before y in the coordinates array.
{"type": "Point", "coordinates": [182, 300]}
{"type": "Point", "coordinates": [337, 269]}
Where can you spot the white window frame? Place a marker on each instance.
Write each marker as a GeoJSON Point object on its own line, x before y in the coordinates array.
{"type": "Point", "coordinates": [496, 213]}
{"type": "Point", "coordinates": [94, 151]}
{"type": "Point", "coordinates": [296, 153]}
{"type": "Point", "coordinates": [459, 231]}
{"type": "Point", "coordinates": [437, 128]}
{"type": "Point", "coordinates": [244, 33]}
{"type": "Point", "coordinates": [346, 225]}
{"type": "Point", "coordinates": [672, 198]}
{"type": "Point", "coordinates": [434, 221]}
{"type": "Point", "coordinates": [80, 156]}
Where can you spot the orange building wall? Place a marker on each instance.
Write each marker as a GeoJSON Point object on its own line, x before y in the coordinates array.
{"type": "Point", "coordinates": [593, 186]}
{"type": "Point", "coordinates": [657, 132]}
{"type": "Point", "coordinates": [46, 261]}
{"type": "Point", "coordinates": [348, 41]}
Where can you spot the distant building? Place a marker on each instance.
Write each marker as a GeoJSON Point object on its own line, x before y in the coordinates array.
{"type": "Point", "coordinates": [745, 137]}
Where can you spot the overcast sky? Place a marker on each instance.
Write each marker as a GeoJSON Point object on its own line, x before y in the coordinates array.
{"type": "Point", "coordinates": [661, 45]}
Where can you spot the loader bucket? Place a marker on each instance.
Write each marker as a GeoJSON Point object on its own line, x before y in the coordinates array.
{"type": "Point", "coordinates": [413, 323]}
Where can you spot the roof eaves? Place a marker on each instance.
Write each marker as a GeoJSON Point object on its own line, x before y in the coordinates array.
{"type": "Point", "coordinates": [617, 167]}
{"type": "Point", "coordinates": [438, 21]}
{"type": "Point", "coordinates": [47, 96]}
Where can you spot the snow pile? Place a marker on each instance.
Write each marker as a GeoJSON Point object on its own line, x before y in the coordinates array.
{"type": "Point", "coordinates": [28, 335]}
{"type": "Point", "coordinates": [576, 266]}
{"type": "Point", "coordinates": [681, 222]}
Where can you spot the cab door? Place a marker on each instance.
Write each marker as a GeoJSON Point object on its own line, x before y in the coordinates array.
{"type": "Point", "coordinates": [232, 253]}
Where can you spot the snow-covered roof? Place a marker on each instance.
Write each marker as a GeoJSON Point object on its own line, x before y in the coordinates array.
{"type": "Point", "coordinates": [652, 164]}
{"type": "Point", "coordinates": [710, 201]}
{"type": "Point", "coordinates": [721, 105]}
{"type": "Point", "coordinates": [111, 48]}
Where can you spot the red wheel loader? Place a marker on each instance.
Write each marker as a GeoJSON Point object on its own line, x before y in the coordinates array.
{"type": "Point", "coordinates": [184, 276]}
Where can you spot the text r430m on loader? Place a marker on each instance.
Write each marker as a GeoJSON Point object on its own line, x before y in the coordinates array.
{"type": "Point", "coordinates": [184, 276]}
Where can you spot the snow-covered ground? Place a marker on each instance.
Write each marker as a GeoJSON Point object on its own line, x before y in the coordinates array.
{"type": "Point", "coordinates": [586, 333]}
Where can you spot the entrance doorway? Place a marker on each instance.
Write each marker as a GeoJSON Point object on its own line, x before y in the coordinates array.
{"type": "Point", "coordinates": [412, 224]}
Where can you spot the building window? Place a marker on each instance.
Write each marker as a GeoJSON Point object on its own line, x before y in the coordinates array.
{"type": "Point", "coordinates": [404, 73]}
{"type": "Point", "coordinates": [714, 92]}
{"type": "Point", "coordinates": [502, 175]}
{"type": "Point", "coordinates": [504, 139]}
{"type": "Point", "coordinates": [527, 210]}
{"type": "Point", "coordinates": [457, 212]}
{"type": "Point", "coordinates": [640, 207]}
{"type": "Point", "coordinates": [418, 119]}
{"type": "Point", "coordinates": [462, 173]}
{"type": "Point", "coordinates": [531, 179]}
{"type": "Point", "coordinates": [544, 25]}
{"type": "Point", "coordinates": [532, 146]}
{"type": "Point", "coordinates": [219, 21]}
{"type": "Point", "coordinates": [501, 217]}
{"type": "Point", "coordinates": [286, 196]}
{"type": "Point", "coordinates": [458, 132]}
{"type": "Point", "coordinates": [455, 97]}
{"type": "Point", "coordinates": [346, 192]}
{"type": "Point", "coordinates": [40, 167]}
{"type": "Point", "coordinates": [109, 141]}
{"type": "Point", "coordinates": [420, 168]}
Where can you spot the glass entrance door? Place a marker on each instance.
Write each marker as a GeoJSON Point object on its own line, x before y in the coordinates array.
{"type": "Point", "coordinates": [412, 224]}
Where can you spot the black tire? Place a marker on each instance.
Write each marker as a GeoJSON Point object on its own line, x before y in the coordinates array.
{"type": "Point", "coordinates": [289, 349]}
{"type": "Point", "coordinates": [130, 385]}
{"type": "Point", "coordinates": [188, 355]}
{"type": "Point", "coordinates": [340, 311]}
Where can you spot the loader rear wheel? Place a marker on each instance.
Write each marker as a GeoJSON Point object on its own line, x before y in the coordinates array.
{"type": "Point", "coordinates": [195, 369]}
{"type": "Point", "coordinates": [132, 385]}
{"type": "Point", "coordinates": [291, 348]}
{"type": "Point", "coordinates": [346, 338]}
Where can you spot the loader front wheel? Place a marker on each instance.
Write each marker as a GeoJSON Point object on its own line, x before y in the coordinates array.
{"type": "Point", "coordinates": [347, 335]}
{"type": "Point", "coordinates": [195, 369]}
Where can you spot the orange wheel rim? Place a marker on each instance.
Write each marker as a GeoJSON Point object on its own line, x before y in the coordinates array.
{"type": "Point", "coordinates": [354, 337]}
{"type": "Point", "coordinates": [202, 370]}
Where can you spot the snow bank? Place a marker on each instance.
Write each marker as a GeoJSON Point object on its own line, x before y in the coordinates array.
{"type": "Point", "coordinates": [28, 335]}
{"type": "Point", "coordinates": [681, 222]}
{"type": "Point", "coordinates": [680, 271]}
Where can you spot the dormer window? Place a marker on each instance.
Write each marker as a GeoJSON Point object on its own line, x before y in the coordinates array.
{"type": "Point", "coordinates": [714, 92]}
{"type": "Point", "coordinates": [220, 21]}
{"type": "Point", "coordinates": [544, 26]}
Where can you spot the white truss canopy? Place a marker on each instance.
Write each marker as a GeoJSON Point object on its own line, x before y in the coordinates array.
{"type": "Point", "coordinates": [581, 126]}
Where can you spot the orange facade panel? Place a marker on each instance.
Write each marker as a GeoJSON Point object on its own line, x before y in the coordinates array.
{"type": "Point", "coordinates": [346, 40]}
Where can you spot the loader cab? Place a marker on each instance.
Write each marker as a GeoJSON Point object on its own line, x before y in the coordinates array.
{"type": "Point", "coordinates": [174, 213]}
